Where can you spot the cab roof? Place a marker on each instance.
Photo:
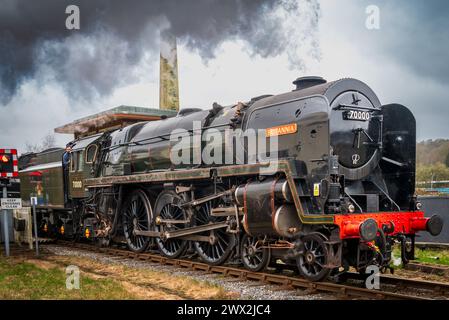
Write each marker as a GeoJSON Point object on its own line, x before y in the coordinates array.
{"type": "Point", "coordinates": [112, 119]}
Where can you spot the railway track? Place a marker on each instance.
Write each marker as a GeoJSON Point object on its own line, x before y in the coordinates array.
{"type": "Point", "coordinates": [434, 289]}
{"type": "Point", "coordinates": [432, 245]}
{"type": "Point", "coordinates": [441, 270]}
{"type": "Point", "coordinates": [352, 289]}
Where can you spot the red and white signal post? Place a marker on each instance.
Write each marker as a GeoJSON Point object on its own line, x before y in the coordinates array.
{"type": "Point", "coordinates": [9, 169]}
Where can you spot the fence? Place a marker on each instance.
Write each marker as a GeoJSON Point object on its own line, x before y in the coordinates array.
{"type": "Point", "coordinates": [435, 205]}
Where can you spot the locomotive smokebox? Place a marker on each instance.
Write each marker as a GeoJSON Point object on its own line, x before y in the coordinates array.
{"type": "Point", "coordinates": [309, 81]}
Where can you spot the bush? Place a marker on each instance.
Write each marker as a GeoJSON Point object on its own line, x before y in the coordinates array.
{"type": "Point", "coordinates": [434, 172]}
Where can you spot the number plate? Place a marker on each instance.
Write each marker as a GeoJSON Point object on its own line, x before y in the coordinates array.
{"type": "Point", "coordinates": [356, 115]}
{"type": "Point", "coordinates": [77, 184]}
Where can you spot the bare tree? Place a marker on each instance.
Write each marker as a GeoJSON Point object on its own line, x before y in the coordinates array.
{"type": "Point", "coordinates": [29, 147]}
{"type": "Point", "coordinates": [48, 141]}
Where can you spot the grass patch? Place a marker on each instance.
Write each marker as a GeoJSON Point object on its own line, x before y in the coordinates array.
{"type": "Point", "coordinates": [427, 255]}
{"type": "Point", "coordinates": [23, 280]}
{"type": "Point", "coordinates": [45, 278]}
{"type": "Point", "coordinates": [432, 256]}
{"type": "Point", "coordinates": [151, 284]}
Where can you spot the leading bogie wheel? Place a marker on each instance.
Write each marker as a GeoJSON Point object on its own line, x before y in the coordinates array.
{"type": "Point", "coordinates": [255, 257]}
{"type": "Point", "coordinates": [313, 258]}
{"type": "Point", "coordinates": [137, 215]}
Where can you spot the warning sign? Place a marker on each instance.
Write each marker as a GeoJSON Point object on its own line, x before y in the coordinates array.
{"type": "Point", "coordinates": [11, 203]}
{"type": "Point", "coordinates": [316, 189]}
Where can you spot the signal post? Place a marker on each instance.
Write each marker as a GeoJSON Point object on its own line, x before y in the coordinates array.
{"type": "Point", "coordinates": [8, 170]}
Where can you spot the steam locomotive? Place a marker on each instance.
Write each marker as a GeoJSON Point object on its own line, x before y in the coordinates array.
{"type": "Point", "coordinates": [337, 190]}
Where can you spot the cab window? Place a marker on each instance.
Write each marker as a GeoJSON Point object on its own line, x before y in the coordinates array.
{"type": "Point", "coordinates": [80, 161]}
{"type": "Point", "coordinates": [91, 153]}
{"type": "Point", "coordinates": [77, 161]}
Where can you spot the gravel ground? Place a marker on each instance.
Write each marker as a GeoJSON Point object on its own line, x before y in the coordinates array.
{"type": "Point", "coordinates": [247, 289]}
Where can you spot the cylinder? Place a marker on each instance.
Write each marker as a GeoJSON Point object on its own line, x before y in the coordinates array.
{"type": "Point", "coordinates": [266, 209]}
{"type": "Point", "coordinates": [281, 190]}
{"type": "Point", "coordinates": [286, 222]}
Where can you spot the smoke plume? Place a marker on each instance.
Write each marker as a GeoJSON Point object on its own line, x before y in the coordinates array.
{"type": "Point", "coordinates": [116, 36]}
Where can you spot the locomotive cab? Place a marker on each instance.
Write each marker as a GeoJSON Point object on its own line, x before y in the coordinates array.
{"type": "Point", "coordinates": [80, 168]}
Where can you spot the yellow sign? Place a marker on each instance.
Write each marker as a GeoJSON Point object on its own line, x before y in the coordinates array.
{"type": "Point", "coordinates": [316, 189]}
{"type": "Point", "coordinates": [281, 130]}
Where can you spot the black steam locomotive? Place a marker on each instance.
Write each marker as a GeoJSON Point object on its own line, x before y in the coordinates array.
{"type": "Point", "coordinates": [336, 188]}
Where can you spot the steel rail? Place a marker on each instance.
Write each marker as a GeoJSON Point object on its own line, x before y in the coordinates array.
{"type": "Point", "coordinates": [428, 268]}
{"type": "Point", "coordinates": [436, 288]}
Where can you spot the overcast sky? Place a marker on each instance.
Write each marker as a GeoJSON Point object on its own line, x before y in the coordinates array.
{"type": "Point", "coordinates": [227, 53]}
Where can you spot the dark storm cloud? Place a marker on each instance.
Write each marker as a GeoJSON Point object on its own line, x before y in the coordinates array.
{"type": "Point", "coordinates": [116, 35]}
{"type": "Point", "coordinates": [415, 34]}
{"type": "Point", "coordinates": [422, 40]}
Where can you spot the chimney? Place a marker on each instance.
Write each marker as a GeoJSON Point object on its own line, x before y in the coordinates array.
{"type": "Point", "coordinates": [168, 77]}
{"type": "Point", "coordinates": [309, 81]}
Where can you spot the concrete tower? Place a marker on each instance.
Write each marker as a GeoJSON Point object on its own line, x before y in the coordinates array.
{"type": "Point", "coordinates": [168, 78]}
